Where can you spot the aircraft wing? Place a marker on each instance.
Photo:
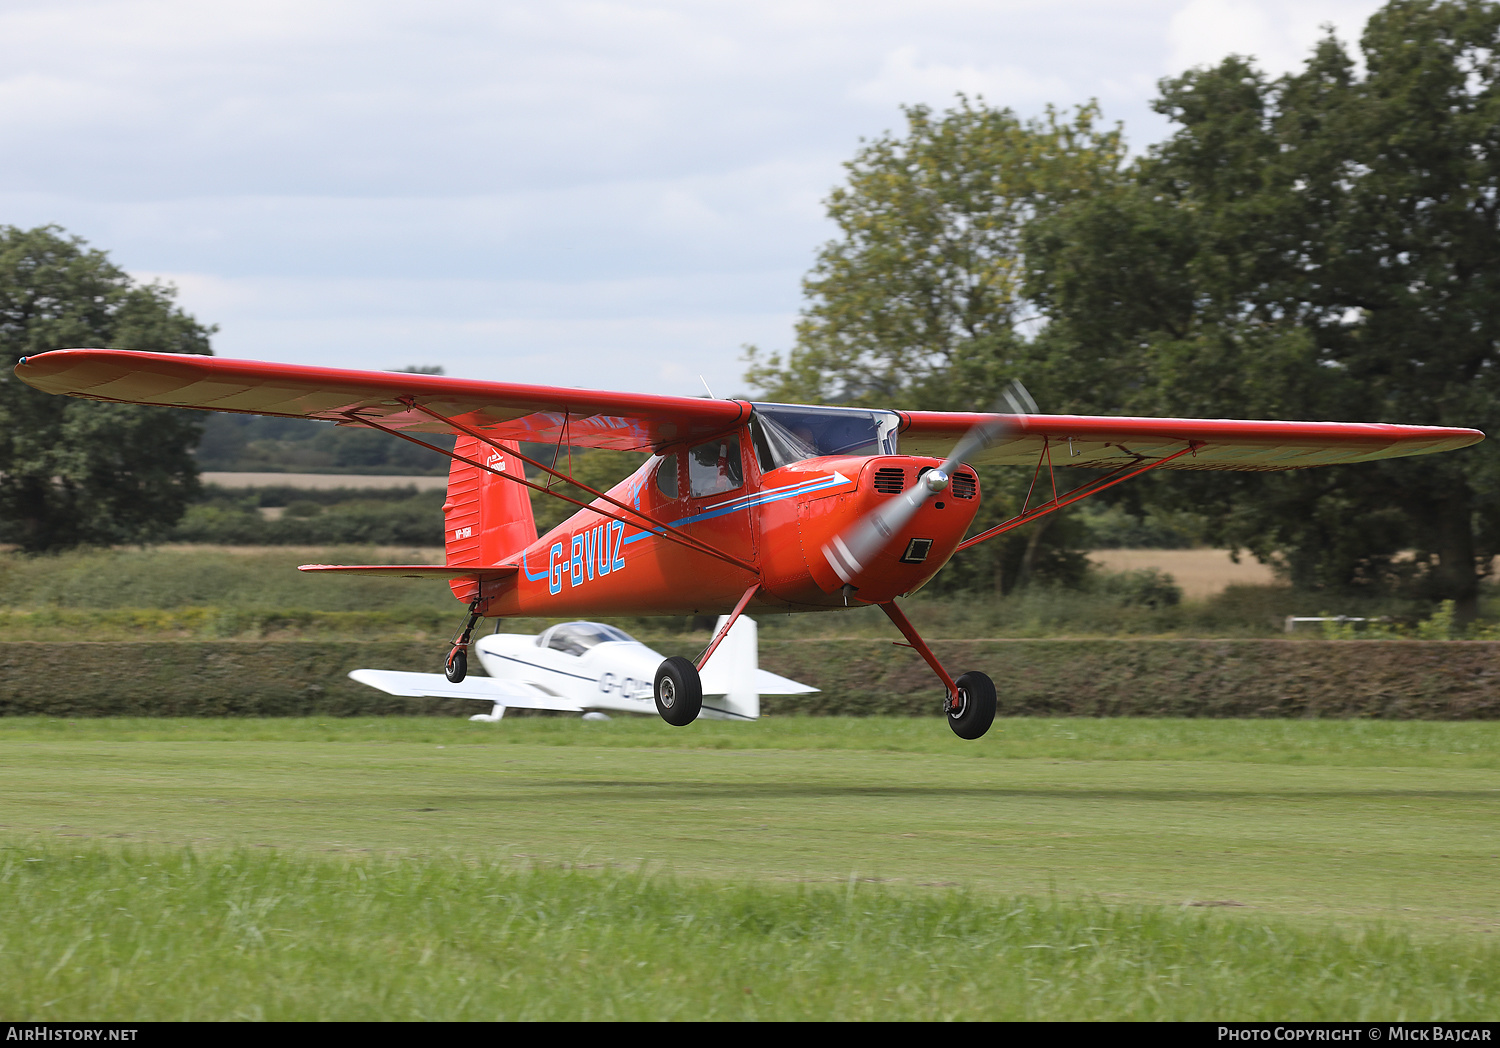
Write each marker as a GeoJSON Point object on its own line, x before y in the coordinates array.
{"type": "Point", "coordinates": [1103, 442]}
{"type": "Point", "coordinates": [503, 410]}
{"type": "Point", "coordinates": [484, 689]}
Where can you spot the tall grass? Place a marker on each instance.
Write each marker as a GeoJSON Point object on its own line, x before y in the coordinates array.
{"type": "Point", "coordinates": [91, 933]}
{"type": "Point", "coordinates": [208, 593]}
{"type": "Point", "coordinates": [174, 578]}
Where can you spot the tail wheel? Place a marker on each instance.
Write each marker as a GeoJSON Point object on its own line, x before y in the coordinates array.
{"type": "Point", "coordinates": [972, 710]}
{"type": "Point", "coordinates": [457, 667]}
{"type": "Point", "coordinates": [679, 691]}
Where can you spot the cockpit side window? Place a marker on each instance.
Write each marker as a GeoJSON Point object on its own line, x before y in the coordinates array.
{"type": "Point", "coordinates": [715, 467]}
{"type": "Point", "coordinates": [666, 475]}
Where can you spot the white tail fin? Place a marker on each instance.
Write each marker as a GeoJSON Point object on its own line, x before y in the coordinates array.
{"type": "Point", "coordinates": [729, 677]}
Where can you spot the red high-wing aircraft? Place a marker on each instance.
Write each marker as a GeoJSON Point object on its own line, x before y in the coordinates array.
{"type": "Point", "coordinates": [773, 506]}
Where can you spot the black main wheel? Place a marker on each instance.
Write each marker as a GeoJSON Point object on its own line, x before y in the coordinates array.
{"type": "Point", "coordinates": [679, 691]}
{"type": "Point", "coordinates": [457, 667]}
{"type": "Point", "coordinates": [972, 710]}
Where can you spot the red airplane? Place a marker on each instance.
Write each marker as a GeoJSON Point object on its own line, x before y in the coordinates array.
{"type": "Point", "coordinates": [742, 505]}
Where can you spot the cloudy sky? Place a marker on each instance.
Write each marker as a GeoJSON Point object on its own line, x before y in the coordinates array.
{"type": "Point", "coordinates": [616, 193]}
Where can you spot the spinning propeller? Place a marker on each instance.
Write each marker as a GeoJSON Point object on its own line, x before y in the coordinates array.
{"type": "Point", "coordinates": [851, 552]}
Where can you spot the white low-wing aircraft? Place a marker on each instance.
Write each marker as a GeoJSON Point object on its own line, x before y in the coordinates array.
{"type": "Point", "coordinates": [588, 667]}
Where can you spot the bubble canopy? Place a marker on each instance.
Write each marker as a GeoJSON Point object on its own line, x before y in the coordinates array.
{"type": "Point", "coordinates": [575, 638]}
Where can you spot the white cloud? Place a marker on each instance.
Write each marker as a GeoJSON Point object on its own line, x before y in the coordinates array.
{"type": "Point", "coordinates": [905, 79]}
{"type": "Point", "coordinates": [1279, 34]}
{"type": "Point", "coordinates": [629, 334]}
{"type": "Point", "coordinates": [497, 185]}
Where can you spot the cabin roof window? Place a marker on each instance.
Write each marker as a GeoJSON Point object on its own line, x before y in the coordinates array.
{"type": "Point", "coordinates": [787, 433]}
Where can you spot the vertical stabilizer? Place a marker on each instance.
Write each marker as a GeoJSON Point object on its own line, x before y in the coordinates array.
{"type": "Point", "coordinates": [487, 519]}
{"type": "Point", "coordinates": [729, 678]}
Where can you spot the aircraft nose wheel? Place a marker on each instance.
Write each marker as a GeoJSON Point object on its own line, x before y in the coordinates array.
{"type": "Point", "coordinates": [972, 710]}
{"type": "Point", "coordinates": [679, 691]}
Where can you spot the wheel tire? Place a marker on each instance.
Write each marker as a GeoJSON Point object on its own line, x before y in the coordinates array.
{"type": "Point", "coordinates": [457, 667]}
{"type": "Point", "coordinates": [975, 711]}
{"type": "Point", "coordinates": [679, 691]}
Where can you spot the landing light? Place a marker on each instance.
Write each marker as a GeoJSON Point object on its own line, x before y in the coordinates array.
{"type": "Point", "coordinates": [916, 551]}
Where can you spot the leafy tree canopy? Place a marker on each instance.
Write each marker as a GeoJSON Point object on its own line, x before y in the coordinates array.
{"type": "Point", "coordinates": [75, 471]}
{"type": "Point", "coordinates": [1320, 246]}
{"type": "Point", "coordinates": [1324, 245]}
{"type": "Point", "coordinates": [917, 303]}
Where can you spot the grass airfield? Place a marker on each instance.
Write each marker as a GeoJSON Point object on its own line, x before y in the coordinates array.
{"type": "Point", "coordinates": [799, 867]}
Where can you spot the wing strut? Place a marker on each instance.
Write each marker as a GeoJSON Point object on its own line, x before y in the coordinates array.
{"type": "Point", "coordinates": [1083, 491]}
{"type": "Point", "coordinates": [729, 623]}
{"type": "Point", "coordinates": [657, 527]}
{"type": "Point", "coordinates": [565, 477]}
{"type": "Point", "coordinates": [914, 639]}
{"type": "Point", "coordinates": [663, 530]}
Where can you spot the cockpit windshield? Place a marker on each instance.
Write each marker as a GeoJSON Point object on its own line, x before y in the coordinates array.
{"type": "Point", "coordinates": [787, 433]}
{"type": "Point", "coordinates": [575, 638]}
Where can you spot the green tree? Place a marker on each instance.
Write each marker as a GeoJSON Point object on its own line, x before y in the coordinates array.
{"type": "Point", "coordinates": [76, 471]}
{"type": "Point", "coordinates": [1320, 246]}
{"type": "Point", "coordinates": [599, 468]}
{"type": "Point", "coordinates": [917, 303]}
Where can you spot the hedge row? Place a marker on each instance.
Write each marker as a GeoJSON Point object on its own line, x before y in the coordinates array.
{"type": "Point", "coordinates": [1422, 680]}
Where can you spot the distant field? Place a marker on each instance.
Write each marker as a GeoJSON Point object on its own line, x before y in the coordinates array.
{"type": "Point", "coordinates": [1201, 573]}
{"type": "Point", "coordinates": [323, 481]}
{"type": "Point", "coordinates": [873, 868]}
{"type": "Point", "coordinates": [230, 591]}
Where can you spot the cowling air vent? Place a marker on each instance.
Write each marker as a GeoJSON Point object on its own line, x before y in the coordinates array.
{"type": "Point", "coordinates": [964, 483]}
{"type": "Point", "coordinates": [890, 480]}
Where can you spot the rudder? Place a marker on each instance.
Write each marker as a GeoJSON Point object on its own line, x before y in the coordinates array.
{"type": "Point", "coordinates": [487, 519]}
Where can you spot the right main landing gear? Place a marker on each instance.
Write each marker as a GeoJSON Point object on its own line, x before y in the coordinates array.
{"type": "Point", "coordinates": [679, 691]}
{"type": "Point", "coordinates": [971, 710]}
{"type": "Point", "coordinates": [970, 702]}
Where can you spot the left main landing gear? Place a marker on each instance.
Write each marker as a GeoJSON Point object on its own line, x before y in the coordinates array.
{"type": "Point", "coordinates": [971, 709]}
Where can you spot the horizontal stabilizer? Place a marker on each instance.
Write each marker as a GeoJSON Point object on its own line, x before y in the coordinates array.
{"type": "Point", "coordinates": [767, 683]}
{"type": "Point", "coordinates": [716, 682]}
{"type": "Point", "coordinates": [420, 571]}
{"type": "Point", "coordinates": [512, 694]}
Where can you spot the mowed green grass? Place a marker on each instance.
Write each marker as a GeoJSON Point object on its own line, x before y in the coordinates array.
{"type": "Point", "coordinates": [799, 867]}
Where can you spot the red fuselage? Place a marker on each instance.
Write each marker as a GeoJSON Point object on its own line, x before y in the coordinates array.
{"type": "Point", "coordinates": [778, 522]}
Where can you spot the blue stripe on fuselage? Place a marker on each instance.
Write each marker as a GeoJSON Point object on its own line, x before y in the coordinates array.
{"type": "Point", "coordinates": [758, 499]}
{"type": "Point", "coordinates": [529, 575]}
